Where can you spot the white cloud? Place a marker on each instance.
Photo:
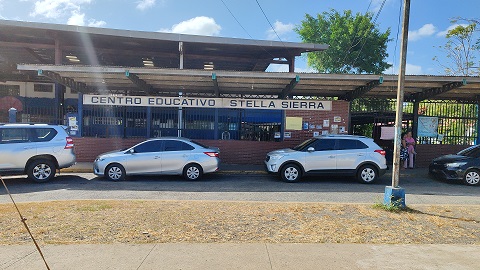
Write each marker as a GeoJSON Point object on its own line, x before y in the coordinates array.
{"type": "Point", "coordinates": [145, 4]}
{"type": "Point", "coordinates": [197, 26]}
{"type": "Point", "coordinates": [77, 19]}
{"type": "Point", "coordinates": [453, 26]}
{"type": "Point", "coordinates": [60, 9]}
{"type": "Point", "coordinates": [280, 28]}
{"type": "Point", "coordinates": [95, 23]}
{"type": "Point", "coordinates": [54, 9]}
{"type": "Point", "coordinates": [411, 69]}
{"type": "Point", "coordinates": [424, 31]}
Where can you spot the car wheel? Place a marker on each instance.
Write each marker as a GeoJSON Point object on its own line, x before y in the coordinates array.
{"type": "Point", "coordinates": [41, 170]}
{"type": "Point", "coordinates": [367, 174]}
{"type": "Point", "coordinates": [192, 172]}
{"type": "Point", "coordinates": [115, 172]}
{"type": "Point", "coordinates": [290, 173]}
{"type": "Point", "coordinates": [471, 178]}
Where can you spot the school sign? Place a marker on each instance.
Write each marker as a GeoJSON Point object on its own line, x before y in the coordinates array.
{"type": "Point", "coordinates": [198, 102]}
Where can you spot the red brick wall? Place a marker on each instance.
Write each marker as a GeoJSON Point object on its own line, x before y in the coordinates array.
{"type": "Point", "coordinates": [231, 151]}
{"type": "Point", "coordinates": [339, 108]}
{"type": "Point", "coordinates": [427, 152]}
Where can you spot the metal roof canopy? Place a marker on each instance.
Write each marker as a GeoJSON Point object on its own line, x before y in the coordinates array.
{"type": "Point", "coordinates": [41, 43]}
{"type": "Point", "coordinates": [169, 82]}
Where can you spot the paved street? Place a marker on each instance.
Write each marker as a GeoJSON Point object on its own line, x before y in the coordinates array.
{"type": "Point", "coordinates": [238, 186]}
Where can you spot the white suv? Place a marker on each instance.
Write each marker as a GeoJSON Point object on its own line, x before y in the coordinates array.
{"type": "Point", "coordinates": [37, 150]}
{"type": "Point", "coordinates": [347, 155]}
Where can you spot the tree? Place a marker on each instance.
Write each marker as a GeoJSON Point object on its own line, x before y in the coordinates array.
{"type": "Point", "coordinates": [356, 45]}
{"type": "Point", "coordinates": [461, 51]}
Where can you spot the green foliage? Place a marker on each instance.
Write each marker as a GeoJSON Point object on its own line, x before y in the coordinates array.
{"type": "Point", "coordinates": [461, 51]}
{"type": "Point", "coordinates": [356, 45]}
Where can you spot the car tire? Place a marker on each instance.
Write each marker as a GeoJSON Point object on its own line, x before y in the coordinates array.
{"type": "Point", "coordinates": [192, 172]}
{"type": "Point", "coordinates": [115, 172]}
{"type": "Point", "coordinates": [471, 178]}
{"type": "Point", "coordinates": [367, 174]}
{"type": "Point", "coordinates": [291, 173]}
{"type": "Point", "coordinates": [41, 170]}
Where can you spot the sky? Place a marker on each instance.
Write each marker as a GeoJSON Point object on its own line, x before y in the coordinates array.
{"type": "Point", "coordinates": [258, 19]}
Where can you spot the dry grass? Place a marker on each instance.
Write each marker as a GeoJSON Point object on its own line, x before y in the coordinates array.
{"type": "Point", "coordinates": [83, 222]}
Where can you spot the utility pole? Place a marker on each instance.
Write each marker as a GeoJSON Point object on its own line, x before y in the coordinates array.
{"type": "Point", "coordinates": [395, 194]}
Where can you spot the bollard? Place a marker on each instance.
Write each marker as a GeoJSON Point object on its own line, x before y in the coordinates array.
{"type": "Point", "coordinates": [12, 115]}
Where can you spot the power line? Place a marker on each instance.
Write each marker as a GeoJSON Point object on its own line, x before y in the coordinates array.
{"type": "Point", "coordinates": [231, 13]}
{"type": "Point", "coordinates": [373, 24]}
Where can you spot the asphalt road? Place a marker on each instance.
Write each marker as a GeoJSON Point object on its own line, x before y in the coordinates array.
{"type": "Point", "coordinates": [420, 189]}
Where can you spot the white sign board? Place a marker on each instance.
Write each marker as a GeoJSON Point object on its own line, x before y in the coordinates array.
{"type": "Point", "coordinates": [232, 103]}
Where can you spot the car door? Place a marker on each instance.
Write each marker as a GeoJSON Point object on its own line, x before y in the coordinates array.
{"type": "Point", "coordinates": [323, 158]}
{"type": "Point", "coordinates": [176, 154]}
{"type": "Point", "coordinates": [350, 153]}
{"type": "Point", "coordinates": [144, 158]}
{"type": "Point", "coordinates": [16, 147]}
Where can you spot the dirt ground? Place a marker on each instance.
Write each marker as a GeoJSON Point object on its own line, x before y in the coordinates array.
{"type": "Point", "coordinates": [137, 221]}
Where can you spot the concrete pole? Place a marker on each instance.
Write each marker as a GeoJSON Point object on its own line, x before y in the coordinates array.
{"type": "Point", "coordinates": [180, 109]}
{"type": "Point", "coordinates": [400, 93]}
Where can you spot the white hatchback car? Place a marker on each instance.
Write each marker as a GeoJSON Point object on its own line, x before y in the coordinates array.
{"type": "Point", "coordinates": [347, 155]}
{"type": "Point", "coordinates": [165, 155]}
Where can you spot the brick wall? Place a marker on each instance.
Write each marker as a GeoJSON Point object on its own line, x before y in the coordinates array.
{"type": "Point", "coordinates": [231, 151]}
{"type": "Point", "coordinates": [340, 109]}
{"type": "Point", "coordinates": [427, 152]}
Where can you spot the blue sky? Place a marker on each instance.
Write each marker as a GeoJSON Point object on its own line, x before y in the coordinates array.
{"type": "Point", "coordinates": [429, 20]}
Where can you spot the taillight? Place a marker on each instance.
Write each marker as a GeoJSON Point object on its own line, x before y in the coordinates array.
{"type": "Point", "coordinates": [211, 154]}
{"type": "Point", "coordinates": [69, 144]}
{"type": "Point", "coordinates": [381, 152]}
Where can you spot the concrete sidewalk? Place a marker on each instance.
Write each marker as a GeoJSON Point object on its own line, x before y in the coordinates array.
{"type": "Point", "coordinates": [242, 256]}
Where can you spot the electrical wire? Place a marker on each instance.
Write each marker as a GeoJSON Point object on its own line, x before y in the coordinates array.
{"type": "Point", "coordinates": [231, 13]}
{"type": "Point", "coordinates": [24, 221]}
{"type": "Point", "coordinates": [273, 28]}
{"type": "Point", "coordinates": [373, 24]}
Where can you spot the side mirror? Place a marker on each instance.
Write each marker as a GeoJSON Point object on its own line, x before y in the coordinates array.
{"type": "Point", "coordinates": [131, 151]}
{"type": "Point", "coordinates": [310, 149]}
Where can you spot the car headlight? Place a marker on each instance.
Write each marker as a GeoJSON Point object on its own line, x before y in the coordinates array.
{"type": "Point", "coordinates": [455, 164]}
{"type": "Point", "coordinates": [276, 157]}
{"type": "Point", "coordinates": [99, 159]}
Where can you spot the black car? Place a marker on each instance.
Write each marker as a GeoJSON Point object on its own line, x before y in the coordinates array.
{"type": "Point", "coordinates": [465, 166]}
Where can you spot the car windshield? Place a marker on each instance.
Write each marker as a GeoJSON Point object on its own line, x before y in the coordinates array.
{"type": "Point", "coordinates": [301, 146]}
{"type": "Point", "coordinates": [473, 151]}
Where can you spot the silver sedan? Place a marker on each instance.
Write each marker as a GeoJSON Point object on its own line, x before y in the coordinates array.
{"type": "Point", "coordinates": [169, 156]}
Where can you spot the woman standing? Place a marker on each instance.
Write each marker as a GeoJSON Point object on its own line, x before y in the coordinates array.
{"type": "Point", "coordinates": [409, 143]}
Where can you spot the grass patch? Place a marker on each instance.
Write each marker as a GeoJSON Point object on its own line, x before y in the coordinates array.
{"type": "Point", "coordinates": [136, 222]}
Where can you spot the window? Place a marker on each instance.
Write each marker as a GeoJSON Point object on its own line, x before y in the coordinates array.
{"type": "Point", "coordinates": [344, 144]}
{"type": "Point", "coordinates": [148, 147]}
{"type": "Point", "coordinates": [172, 145]}
{"type": "Point", "coordinates": [41, 87]}
{"type": "Point", "coordinates": [43, 134]}
{"type": "Point", "coordinates": [324, 145]}
{"type": "Point", "coordinates": [9, 90]}
{"type": "Point", "coordinates": [14, 135]}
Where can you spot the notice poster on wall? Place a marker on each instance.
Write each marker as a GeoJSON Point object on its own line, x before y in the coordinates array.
{"type": "Point", "coordinates": [387, 133]}
{"type": "Point", "coordinates": [326, 123]}
{"type": "Point", "coordinates": [427, 126]}
{"type": "Point", "coordinates": [293, 123]}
